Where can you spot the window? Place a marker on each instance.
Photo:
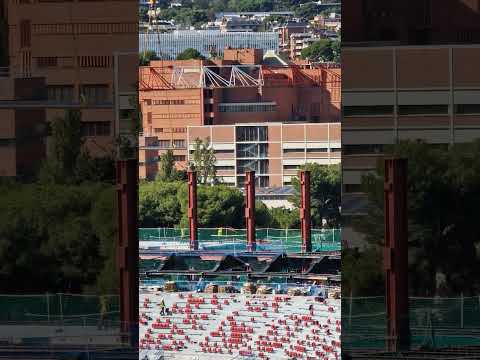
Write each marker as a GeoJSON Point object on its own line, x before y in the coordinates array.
{"type": "Point", "coordinates": [247, 107]}
{"type": "Point", "coordinates": [95, 94]}
{"type": "Point", "coordinates": [290, 167]}
{"type": "Point", "coordinates": [208, 121]}
{"type": "Point", "coordinates": [335, 150]}
{"type": "Point", "coordinates": [259, 166]}
{"type": "Point", "coordinates": [179, 157]}
{"type": "Point", "coordinates": [252, 133]}
{"type": "Point", "coordinates": [362, 149]}
{"type": "Point", "coordinates": [260, 181]}
{"type": "Point", "coordinates": [224, 167]}
{"type": "Point", "coordinates": [163, 144]}
{"type": "Point", "coordinates": [179, 130]}
{"type": "Point", "coordinates": [174, 102]}
{"type": "Point", "coordinates": [61, 94]}
{"type": "Point", "coordinates": [94, 61]}
{"type": "Point", "coordinates": [179, 144]}
{"type": "Point", "coordinates": [317, 150]}
{"type": "Point", "coordinates": [158, 130]}
{"type": "Point", "coordinates": [296, 150]}
{"type": "Point", "coordinates": [95, 128]}
{"type": "Point", "coordinates": [422, 109]}
{"type": "Point", "coordinates": [467, 109]}
{"type": "Point", "coordinates": [367, 110]}
{"type": "Point", "coordinates": [149, 117]}
{"type": "Point", "coordinates": [350, 188]}
{"type": "Point", "coordinates": [47, 61]}
{"type": "Point", "coordinates": [25, 33]}
{"type": "Point", "coordinates": [252, 150]}
{"type": "Point", "coordinates": [224, 151]}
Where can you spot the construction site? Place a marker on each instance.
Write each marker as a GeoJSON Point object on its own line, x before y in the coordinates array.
{"type": "Point", "coordinates": [254, 300]}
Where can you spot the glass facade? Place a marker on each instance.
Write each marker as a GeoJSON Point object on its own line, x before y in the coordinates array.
{"type": "Point", "coordinates": [168, 45]}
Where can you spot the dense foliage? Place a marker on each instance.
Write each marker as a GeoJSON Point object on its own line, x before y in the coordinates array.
{"type": "Point", "coordinates": [189, 53]}
{"type": "Point", "coordinates": [444, 233]}
{"type": "Point", "coordinates": [164, 203]}
{"type": "Point", "coordinates": [58, 234]}
{"type": "Point", "coordinates": [322, 50]}
{"type": "Point", "coordinates": [198, 12]}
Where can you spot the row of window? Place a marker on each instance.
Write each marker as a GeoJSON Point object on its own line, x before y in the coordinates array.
{"type": "Point", "coordinates": [85, 28]}
{"type": "Point", "coordinates": [260, 181]}
{"type": "Point", "coordinates": [166, 144]}
{"type": "Point", "coordinates": [247, 108]}
{"type": "Point", "coordinates": [95, 128]}
{"type": "Point", "coordinates": [170, 130]}
{"type": "Point", "coordinates": [379, 110]}
{"type": "Point", "coordinates": [259, 166]}
{"type": "Point", "coordinates": [172, 102]}
{"type": "Point", "coordinates": [311, 150]}
{"type": "Point", "coordinates": [252, 133]}
{"type": "Point", "coordinates": [92, 94]}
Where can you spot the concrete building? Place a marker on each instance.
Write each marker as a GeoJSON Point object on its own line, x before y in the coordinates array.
{"type": "Point", "coordinates": [178, 95]}
{"type": "Point", "coordinates": [406, 75]}
{"type": "Point", "coordinates": [413, 22]}
{"type": "Point", "coordinates": [58, 54]}
{"type": "Point", "coordinates": [300, 41]}
{"type": "Point", "coordinates": [273, 150]}
{"type": "Point", "coordinates": [286, 31]}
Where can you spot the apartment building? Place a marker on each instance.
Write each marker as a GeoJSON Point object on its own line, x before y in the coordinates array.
{"type": "Point", "coordinates": [286, 31]}
{"type": "Point", "coordinates": [176, 95]}
{"type": "Point", "coordinates": [407, 74]}
{"type": "Point", "coordinates": [73, 49]}
{"type": "Point", "coordinates": [274, 150]}
{"type": "Point", "coordinates": [300, 41]}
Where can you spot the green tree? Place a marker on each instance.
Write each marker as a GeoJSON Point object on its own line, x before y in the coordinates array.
{"type": "Point", "coordinates": [167, 170]}
{"type": "Point", "coordinates": [306, 11]}
{"type": "Point", "coordinates": [146, 56]}
{"type": "Point", "coordinates": [189, 53]}
{"type": "Point", "coordinates": [159, 204]}
{"type": "Point", "coordinates": [443, 193]}
{"type": "Point", "coordinates": [203, 161]}
{"type": "Point", "coordinates": [218, 206]}
{"type": "Point", "coordinates": [324, 50]}
{"type": "Point", "coordinates": [286, 218]}
{"type": "Point", "coordinates": [325, 188]}
{"type": "Point", "coordinates": [263, 216]}
{"type": "Point", "coordinates": [65, 148]}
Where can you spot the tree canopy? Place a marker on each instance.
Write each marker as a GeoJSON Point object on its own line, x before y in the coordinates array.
{"type": "Point", "coordinates": [322, 50]}
{"type": "Point", "coordinates": [190, 53]}
{"type": "Point", "coordinates": [325, 188]}
{"type": "Point", "coordinates": [443, 194]}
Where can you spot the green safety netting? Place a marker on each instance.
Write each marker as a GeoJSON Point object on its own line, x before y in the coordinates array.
{"type": "Point", "coordinates": [69, 309]}
{"type": "Point", "coordinates": [228, 238]}
{"type": "Point", "coordinates": [437, 322]}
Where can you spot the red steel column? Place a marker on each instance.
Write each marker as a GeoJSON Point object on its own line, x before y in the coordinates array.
{"type": "Point", "coordinates": [396, 255]}
{"type": "Point", "coordinates": [192, 209]}
{"type": "Point", "coordinates": [250, 210]}
{"type": "Point", "coordinates": [305, 216]}
{"type": "Point", "coordinates": [127, 246]}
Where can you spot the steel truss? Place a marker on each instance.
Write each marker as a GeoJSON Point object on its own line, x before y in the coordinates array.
{"type": "Point", "coordinates": [206, 77]}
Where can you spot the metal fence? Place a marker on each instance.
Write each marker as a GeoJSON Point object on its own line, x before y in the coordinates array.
{"type": "Point", "coordinates": [437, 322]}
{"type": "Point", "coordinates": [279, 240]}
{"type": "Point", "coordinates": [65, 309]}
